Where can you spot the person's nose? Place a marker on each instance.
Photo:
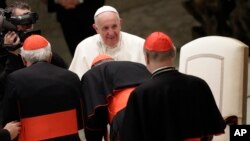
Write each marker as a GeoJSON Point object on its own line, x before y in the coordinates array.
{"type": "Point", "coordinates": [110, 32]}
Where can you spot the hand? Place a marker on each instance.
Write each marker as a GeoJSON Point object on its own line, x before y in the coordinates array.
{"type": "Point", "coordinates": [11, 38]}
{"type": "Point", "coordinates": [14, 128]}
{"type": "Point", "coordinates": [68, 4]}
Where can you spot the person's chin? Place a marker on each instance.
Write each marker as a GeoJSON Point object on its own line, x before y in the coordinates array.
{"type": "Point", "coordinates": [112, 44]}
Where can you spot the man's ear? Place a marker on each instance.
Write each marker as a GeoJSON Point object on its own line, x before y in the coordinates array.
{"type": "Point", "coordinates": [95, 27]}
{"type": "Point", "coordinates": [50, 58]}
{"type": "Point", "coordinates": [146, 58]}
{"type": "Point", "coordinates": [24, 62]}
{"type": "Point", "coordinates": [121, 22]}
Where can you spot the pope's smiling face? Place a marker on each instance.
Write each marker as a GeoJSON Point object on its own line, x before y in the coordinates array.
{"type": "Point", "coordinates": [108, 25]}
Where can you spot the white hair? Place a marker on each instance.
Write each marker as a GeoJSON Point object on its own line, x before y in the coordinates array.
{"type": "Point", "coordinates": [42, 54]}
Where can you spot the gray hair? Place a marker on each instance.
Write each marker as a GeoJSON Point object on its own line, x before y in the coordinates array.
{"type": "Point", "coordinates": [42, 54]}
{"type": "Point", "coordinates": [161, 56]}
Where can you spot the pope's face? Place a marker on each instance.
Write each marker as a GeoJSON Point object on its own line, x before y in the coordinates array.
{"type": "Point", "coordinates": [108, 25]}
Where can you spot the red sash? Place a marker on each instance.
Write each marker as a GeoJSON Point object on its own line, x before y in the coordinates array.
{"type": "Point", "coordinates": [118, 101]}
{"type": "Point", "coordinates": [48, 126]}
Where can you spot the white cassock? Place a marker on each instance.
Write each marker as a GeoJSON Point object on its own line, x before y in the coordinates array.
{"type": "Point", "coordinates": [129, 48]}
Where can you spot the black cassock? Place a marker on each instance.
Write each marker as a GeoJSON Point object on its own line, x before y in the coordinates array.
{"type": "Point", "coordinates": [101, 82]}
{"type": "Point", "coordinates": [39, 94]}
{"type": "Point", "coordinates": [171, 107]}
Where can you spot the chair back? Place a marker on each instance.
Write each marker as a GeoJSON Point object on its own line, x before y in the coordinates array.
{"type": "Point", "coordinates": [223, 63]}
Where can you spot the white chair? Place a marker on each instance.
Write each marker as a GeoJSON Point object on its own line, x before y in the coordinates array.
{"type": "Point", "coordinates": [223, 63]}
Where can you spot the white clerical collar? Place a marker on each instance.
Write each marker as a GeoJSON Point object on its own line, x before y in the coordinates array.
{"type": "Point", "coordinates": [162, 69]}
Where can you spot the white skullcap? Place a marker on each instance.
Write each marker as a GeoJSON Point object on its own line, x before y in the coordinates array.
{"type": "Point", "coordinates": [105, 8]}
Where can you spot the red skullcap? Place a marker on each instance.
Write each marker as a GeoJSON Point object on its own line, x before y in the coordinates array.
{"type": "Point", "coordinates": [158, 41]}
{"type": "Point", "coordinates": [34, 42]}
{"type": "Point", "coordinates": [100, 58]}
